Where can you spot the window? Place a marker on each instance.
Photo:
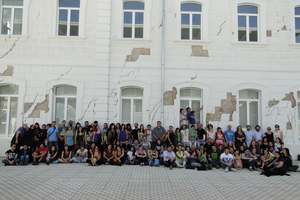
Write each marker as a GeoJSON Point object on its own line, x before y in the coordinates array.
{"type": "Point", "coordinates": [11, 17]}
{"type": "Point", "coordinates": [248, 23]}
{"type": "Point", "coordinates": [132, 105]}
{"type": "Point", "coordinates": [133, 26]}
{"type": "Point", "coordinates": [248, 108]}
{"type": "Point", "coordinates": [191, 97]}
{"type": "Point", "coordinates": [190, 21]}
{"type": "Point", "coordinates": [68, 17]}
{"type": "Point", "coordinates": [8, 109]}
{"type": "Point", "coordinates": [65, 103]}
{"type": "Point", "coordinates": [297, 24]}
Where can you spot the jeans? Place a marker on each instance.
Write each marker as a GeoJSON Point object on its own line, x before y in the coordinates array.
{"type": "Point", "coordinates": [247, 164]}
{"type": "Point", "coordinates": [83, 160]}
{"type": "Point", "coordinates": [52, 161]}
{"type": "Point", "coordinates": [24, 159]}
{"type": "Point", "coordinates": [215, 163]}
{"type": "Point", "coordinates": [155, 163]}
{"type": "Point", "coordinates": [128, 162]}
{"type": "Point", "coordinates": [227, 161]}
{"type": "Point", "coordinates": [186, 144]}
{"type": "Point", "coordinates": [181, 163]}
{"type": "Point", "coordinates": [169, 163]}
{"type": "Point", "coordinates": [7, 163]}
{"type": "Point", "coordinates": [198, 144]}
{"type": "Point", "coordinates": [55, 143]}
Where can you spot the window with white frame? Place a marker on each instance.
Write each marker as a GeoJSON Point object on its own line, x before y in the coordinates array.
{"type": "Point", "coordinates": [132, 105]}
{"type": "Point", "coordinates": [248, 18]}
{"type": "Point", "coordinates": [297, 24]}
{"type": "Point", "coordinates": [133, 26]}
{"type": "Point", "coordinates": [11, 17]}
{"type": "Point", "coordinates": [8, 109]}
{"type": "Point", "coordinates": [68, 17]}
{"type": "Point", "coordinates": [65, 103]}
{"type": "Point", "coordinates": [191, 97]}
{"type": "Point", "coordinates": [249, 108]}
{"type": "Point", "coordinates": [191, 21]}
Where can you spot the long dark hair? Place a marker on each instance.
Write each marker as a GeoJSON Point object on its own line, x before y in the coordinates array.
{"type": "Point", "coordinates": [287, 151]}
{"type": "Point", "coordinates": [110, 127]}
{"type": "Point", "coordinates": [128, 127]}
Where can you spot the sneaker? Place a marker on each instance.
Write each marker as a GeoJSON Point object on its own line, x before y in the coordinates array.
{"type": "Point", "coordinates": [21, 163]}
{"type": "Point", "coordinates": [34, 163]}
{"type": "Point", "coordinates": [17, 164]}
{"type": "Point", "coordinates": [226, 169]}
{"type": "Point", "coordinates": [107, 163]}
{"type": "Point", "coordinates": [47, 163]}
{"type": "Point", "coordinates": [151, 164]}
{"type": "Point", "coordinates": [250, 168]}
{"type": "Point", "coordinates": [89, 164]}
{"type": "Point", "coordinates": [233, 169]}
{"type": "Point", "coordinates": [217, 166]}
{"type": "Point", "coordinates": [4, 164]}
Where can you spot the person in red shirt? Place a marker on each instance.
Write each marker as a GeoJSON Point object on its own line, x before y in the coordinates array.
{"type": "Point", "coordinates": [40, 154]}
{"type": "Point", "coordinates": [219, 138]}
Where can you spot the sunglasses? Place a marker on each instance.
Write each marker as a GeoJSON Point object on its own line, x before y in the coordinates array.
{"type": "Point", "coordinates": [13, 146]}
{"type": "Point", "coordinates": [268, 129]}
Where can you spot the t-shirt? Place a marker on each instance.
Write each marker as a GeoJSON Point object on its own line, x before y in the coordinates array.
{"type": "Point", "coordinates": [189, 116]}
{"type": "Point", "coordinates": [81, 154]}
{"type": "Point", "coordinates": [249, 137]}
{"type": "Point", "coordinates": [159, 132]}
{"type": "Point", "coordinates": [149, 135]}
{"type": "Point", "coordinates": [185, 135]}
{"type": "Point", "coordinates": [230, 135]}
{"type": "Point", "coordinates": [62, 129]}
{"type": "Point", "coordinates": [41, 151]}
{"type": "Point", "coordinates": [135, 134]}
{"type": "Point", "coordinates": [226, 157]}
{"type": "Point", "coordinates": [11, 154]}
{"type": "Point", "coordinates": [131, 155]}
{"type": "Point", "coordinates": [183, 121]}
{"type": "Point", "coordinates": [52, 133]}
{"type": "Point", "coordinates": [244, 155]}
{"type": "Point", "coordinates": [171, 155]}
{"type": "Point", "coordinates": [208, 147]}
{"type": "Point", "coordinates": [193, 134]}
{"type": "Point", "coordinates": [215, 155]}
{"type": "Point", "coordinates": [258, 135]}
{"type": "Point", "coordinates": [201, 133]}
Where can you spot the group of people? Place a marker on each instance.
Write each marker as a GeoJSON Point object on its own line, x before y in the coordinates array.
{"type": "Point", "coordinates": [186, 147]}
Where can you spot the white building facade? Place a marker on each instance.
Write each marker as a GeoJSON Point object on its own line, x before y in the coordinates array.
{"type": "Point", "coordinates": [119, 61]}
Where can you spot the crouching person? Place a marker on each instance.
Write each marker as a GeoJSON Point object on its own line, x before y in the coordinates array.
{"type": "Point", "coordinates": [24, 155]}
{"type": "Point", "coordinates": [169, 158]}
{"type": "Point", "coordinates": [227, 161]}
{"type": "Point", "coordinates": [11, 156]}
{"type": "Point", "coordinates": [40, 154]}
{"type": "Point", "coordinates": [81, 155]}
{"type": "Point", "coordinates": [52, 156]}
{"type": "Point", "coordinates": [66, 155]}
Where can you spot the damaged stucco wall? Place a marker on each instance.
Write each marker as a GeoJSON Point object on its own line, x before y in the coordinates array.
{"type": "Point", "coordinates": [198, 51]}
{"type": "Point", "coordinates": [35, 113]}
{"type": "Point", "coordinates": [8, 72]}
{"type": "Point", "coordinates": [169, 97]}
{"type": "Point", "coordinates": [136, 52]}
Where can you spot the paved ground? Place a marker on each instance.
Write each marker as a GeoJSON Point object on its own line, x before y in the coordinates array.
{"type": "Point", "coordinates": [70, 181]}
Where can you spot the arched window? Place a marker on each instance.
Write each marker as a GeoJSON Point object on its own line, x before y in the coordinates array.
{"type": "Point", "coordinates": [191, 97]}
{"type": "Point", "coordinates": [132, 105]}
{"type": "Point", "coordinates": [65, 103]}
{"type": "Point", "coordinates": [68, 17]}
{"type": "Point", "coordinates": [8, 109]}
{"type": "Point", "coordinates": [133, 26]}
{"type": "Point", "coordinates": [297, 24]}
{"type": "Point", "coordinates": [249, 108]}
{"type": "Point", "coordinates": [248, 18]}
{"type": "Point", "coordinates": [191, 21]}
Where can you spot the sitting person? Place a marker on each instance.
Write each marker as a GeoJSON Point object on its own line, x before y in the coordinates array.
{"type": "Point", "coordinates": [153, 158]}
{"type": "Point", "coordinates": [193, 161]}
{"type": "Point", "coordinates": [96, 157]}
{"type": "Point", "coordinates": [278, 145]}
{"type": "Point", "coordinates": [161, 154]}
{"type": "Point", "coordinates": [24, 155]}
{"type": "Point", "coordinates": [119, 157]}
{"type": "Point", "coordinates": [231, 150]}
{"type": "Point", "coordinates": [131, 157]}
{"type": "Point", "coordinates": [277, 167]}
{"type": "Point", "coordinates": [81, 155]}
{"type": "Point", "coordinates": [11, 156]}
{"type": "Point", "coordinates": [237, 162]}
{"type": "Point", "coordinates": [66, 155]}
{"type": "Point", "coordinates": [202, 158]}
{"type": "Point", "coordinates": [158, 145]}
{"type": "Point", "coordinates": [258, 160]}
{"type": "Point", "coordinates": [220, 149]}
{"type": "Point", "coordinates": [289, 162]}
{"type": "Point", "coordinates": [227, 161]}
{"type": "Point", "coordinates": [145, 144]}
{"type": "Point", "coordinates": [266, 158]}
{"type": "Point", "coordinates": [40, 154]}
{"type": "Point", "coordinates": [52, 156]}
{"type": "Point", "coordinates": [126, 147]}
{"type": "Point", "coordinates": [169, 158]}
{"type": "Point", "coordinates": [249, 160]}
{"type": "Point", "coordinates": [187, 152]}
{"type": "Point", "coordinates": [108, 155]}
{"type": "Point", "coordinates": [136, 145]}
{"type": "Point", "coordinates": [214, 157]}
{"type": "Point", "coordinates": [208, 145]}
{"type": "Point", "coordinates": [141, 155]}
{"type": "Point", "coordinates": [90, 151]}
{"type": "Point", "coordinates": [180, 158]}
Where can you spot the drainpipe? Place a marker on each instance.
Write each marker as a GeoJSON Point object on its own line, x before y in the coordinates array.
{"type": "Point", "coordinates": [163, 63]}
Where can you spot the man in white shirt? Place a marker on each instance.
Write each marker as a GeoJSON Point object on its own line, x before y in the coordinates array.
{"type": "Point", "coordinates": [227, 161]}
{"type": "Point", "coordinates": [258, 134]}
{"type": "Point", "coordinates": [169, 158]}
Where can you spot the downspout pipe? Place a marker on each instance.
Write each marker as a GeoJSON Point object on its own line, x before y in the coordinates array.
{"type": "Point", "coordinates": [163, 63]}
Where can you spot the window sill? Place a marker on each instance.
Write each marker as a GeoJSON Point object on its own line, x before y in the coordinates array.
{"type": "Point", "coordinates": [67, 38]}
{"type": "Point", "coordinates": [14, 37]}
{"type": "Point", "coordinates": [295, 45]}
{"type": "Point", "coordinates": [249, 44]}
{"type": "Point", "coordinates": [132, 40]}
{"type": "Point", "coordinates": [203, 42]}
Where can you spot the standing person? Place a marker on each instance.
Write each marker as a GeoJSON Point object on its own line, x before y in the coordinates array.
{"type": "Point", "coordinates": [95, 125]}
{"type": "Point", "coordinates": [149, 133]}
{"type": "Point", "coordinates": [52, 136]}
{"type": "Point", "coordinates": [250, 135]}
{"type": "Point", "coordinates": [112, 134]}
{"type": "Point", "coordinates": [86, 127]}
{"type": "Point", "coordinates": [71, 124]}
{"type": "Point", "coordinates": [269, 135]}
{"type": "Point", "coordinates": [258, 134]}
{"type": "Point", "coordinates": [185, 136]}
{"type": "Point", "coordinates": [89, 137]}
{"type": "Point", "coordinates": [98, 136]}
{"type": "Point", "coordinates": [227, 161]}
{"type": "Point", "coordinates": [77, 126]}
{"type": "Point", "coordinates": [27, 139]}
{"type": "Point", "coordinates": [191, 115]}
{"type": "Point", "coordinates": [192, 136]}
{"type": "Point", "coordinates": [135, 132]}
{"type": "Point", "coordinates": [210, 132]}
{"type": "Point", "coordinates": [180, 158]}
{"type": "Point", "coordinates": [43, 135]}
{"type": "Point", "coordinates": [11, 156]}
{"type": "Point", "coordinates": [201, 136]}
{"type": "Point", "coordinates": [35, 136]}
{"type": "Point", "coordinates": [239, 137]}
{"type": "Point", "coordinates": [177, 138]}
{"type": "Point", "coordinates": [52, 156]}
{"type": "Point", "coordinates": [40, 154]}
{"type": "Point", "coordinates": [80, 137]}
{"type": "Point", "coordinates": [183, 118]}
{"type": "Point", "coordinates": [229, 135]}
{"type": "Point", "coordinates": [122, 134]}
{"type": "Point", "coordinates": [81, 155]}
{"type": "Point", "coordinates": [249, 160]}
{"type": "Point", "coordinates": [169, 158]}
{"type": "Point", "coordinates": [24, 155]}
{"type": "Point", "coordinates": [129, 134]}
{"type": "Point", "coordinates": [153, 158]}
{"type": "Point", "coordinates": [69, 138]}
{"type": "Point", "coordinates": [18, 137]}
{"type": "Point", "coordinates": [141, 133]}
{"type": "Point", "coordinates": [104, 132]}
{"type": "Point", "coordinates": [66, 154]}
{"type": "Point", "coordinates": [118, 129]}
{"type": "Point", "coordinates": [278, 133]}
{"type": "Point", "coordinates": [159, 132]}
{"type": "Point", "coordinates": [61, 137]}
{"type": "Point", "coordinates": [170, 136]}
{"type": "Point", "coordinates": [219, 137]}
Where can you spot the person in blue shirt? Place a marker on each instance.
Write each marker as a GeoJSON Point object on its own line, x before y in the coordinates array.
{"type": "Point", "coordinates": [229, 135]}
{"type": "Point", "coordinates": [191, 115]}
{"type": "Point", "coordinates": [250, 135]}
{"type": "Point", "coordinates": [52, 136]}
